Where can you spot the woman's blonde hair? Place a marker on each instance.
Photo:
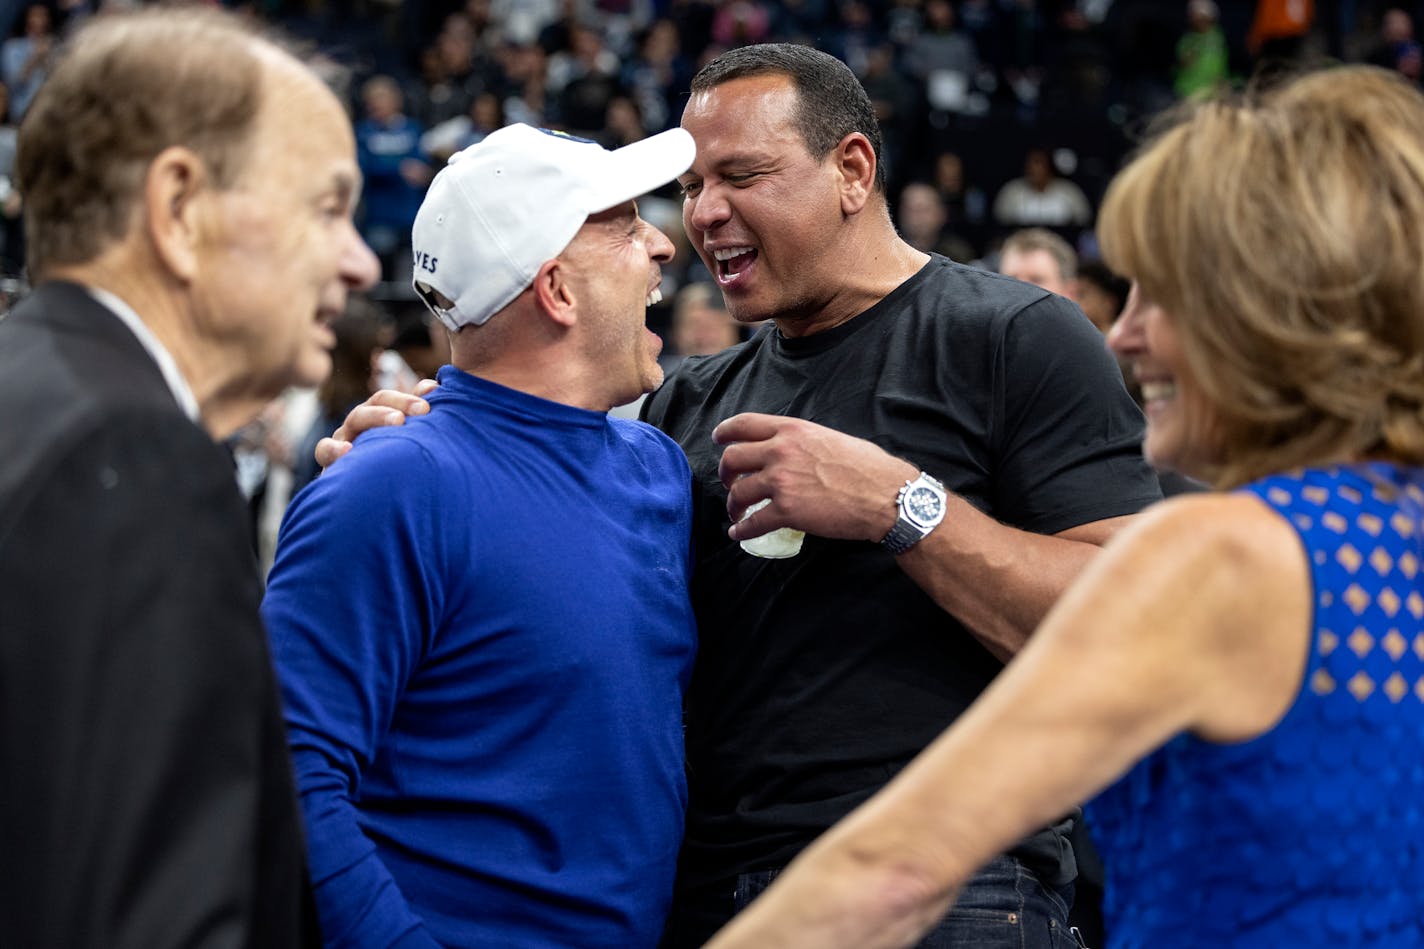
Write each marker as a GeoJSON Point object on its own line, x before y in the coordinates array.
{"type": "Point", "coordinates": [1284, 233]}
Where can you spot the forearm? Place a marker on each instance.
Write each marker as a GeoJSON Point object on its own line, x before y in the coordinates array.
{"type": "Point", "coordinates": [998, 581]}
{"type": "Point", "coordinates": [362, 909]}
{"type": "Point", "coordinates": [868, 883]}
{"type": "Point", "coordinates": [357, 900]}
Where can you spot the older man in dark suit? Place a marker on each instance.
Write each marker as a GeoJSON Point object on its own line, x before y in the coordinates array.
{"type": "Point", "coordinates": [189, 190]}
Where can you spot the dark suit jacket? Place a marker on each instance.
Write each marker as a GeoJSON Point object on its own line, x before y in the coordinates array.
{"type": "Point", "coordinates": [146, 798]}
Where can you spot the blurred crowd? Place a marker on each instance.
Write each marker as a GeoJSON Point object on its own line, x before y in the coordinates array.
{"type": "Point", "coordinates": [998, 115]}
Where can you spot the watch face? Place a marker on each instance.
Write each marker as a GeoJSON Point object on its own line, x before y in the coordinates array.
{"type": "Point", "coordinates": [924, 505]}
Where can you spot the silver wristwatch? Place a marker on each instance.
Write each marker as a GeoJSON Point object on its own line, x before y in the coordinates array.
{"type": "Point", "coordinates": [921, 504]}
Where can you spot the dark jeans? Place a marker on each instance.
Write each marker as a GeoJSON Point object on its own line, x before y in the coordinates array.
{"type": "Point", "coordinates": [1004, 906]}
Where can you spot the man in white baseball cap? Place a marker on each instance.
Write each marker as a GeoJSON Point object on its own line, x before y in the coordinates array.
{"type": "Point", "coordinates": [501, 208]}
{"type": "Point", "coordinates": [480, 618]}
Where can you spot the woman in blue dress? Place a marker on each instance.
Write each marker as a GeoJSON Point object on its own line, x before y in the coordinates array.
{"type": "Point", "coordinates": [1242, 670]}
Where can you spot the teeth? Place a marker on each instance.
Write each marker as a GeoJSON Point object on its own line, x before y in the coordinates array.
{"type": "Point", "coordinates": [1153, 391]}
{"type": "Point", "coordinates": [655, 297]}
{"type": "Point", "coordinates": [731, 252]}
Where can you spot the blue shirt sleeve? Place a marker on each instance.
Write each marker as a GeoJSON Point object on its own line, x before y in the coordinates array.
{"type": "Point", "coordinates": [350, 607]}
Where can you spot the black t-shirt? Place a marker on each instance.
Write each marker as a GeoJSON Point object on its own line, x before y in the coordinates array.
{"type": "Point", "coordinates": [820, 676]}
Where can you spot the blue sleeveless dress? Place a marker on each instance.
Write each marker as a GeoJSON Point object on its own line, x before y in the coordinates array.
{"type": "Point", "coordinates": [1313, 833]}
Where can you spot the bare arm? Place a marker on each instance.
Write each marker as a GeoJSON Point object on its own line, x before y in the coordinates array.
{"type": "Point", "coordinates": [1158, 620]}
{"type": "Point", "coordinates": [998, 581]}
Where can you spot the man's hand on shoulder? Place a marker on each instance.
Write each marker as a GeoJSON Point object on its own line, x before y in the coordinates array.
{"type": "Point", "coordinates": [384, 408]}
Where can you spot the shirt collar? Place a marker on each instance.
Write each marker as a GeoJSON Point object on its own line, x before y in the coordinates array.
{"type": "Point", "coordinates": [166, 363]}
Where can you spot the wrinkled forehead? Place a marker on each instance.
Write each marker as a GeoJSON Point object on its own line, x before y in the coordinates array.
{"type": "Point", "coordinates": [764, 96]}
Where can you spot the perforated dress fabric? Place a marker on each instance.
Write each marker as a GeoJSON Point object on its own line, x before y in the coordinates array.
{"type": "Point", "coordinates": [1313, 833]}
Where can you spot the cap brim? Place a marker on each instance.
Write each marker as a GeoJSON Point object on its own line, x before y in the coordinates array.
{"type": "Point", "coordinates": [643, 166]}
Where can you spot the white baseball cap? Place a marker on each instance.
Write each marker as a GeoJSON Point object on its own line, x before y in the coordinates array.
{"type": "Point", "coordinates": [502, 207]}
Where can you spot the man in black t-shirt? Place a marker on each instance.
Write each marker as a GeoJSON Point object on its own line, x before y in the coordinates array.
{"type": "Point", "coordinates": [955, 445]}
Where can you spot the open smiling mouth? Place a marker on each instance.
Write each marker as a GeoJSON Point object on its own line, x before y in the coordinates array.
{"type": "Point", "coordinates": [1159, 391]}
{"type": "Point", "coordinates": [732, 261]}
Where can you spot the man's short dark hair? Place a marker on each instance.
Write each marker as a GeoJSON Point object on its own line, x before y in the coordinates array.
{"type": "Point", "coordinates": [831, 101]}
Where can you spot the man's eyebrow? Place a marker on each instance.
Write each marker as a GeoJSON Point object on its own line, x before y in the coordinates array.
{"type": "Point", "coordinates": [745, 162]}
{"type": "Point", "coordinates": [345, 185]}
{"type": "Point", "coordinates": [736, 160]}
{"type": "Point", "coordinates": [739, 158]}
{"type": "Point", "coordinates": [748, 157]}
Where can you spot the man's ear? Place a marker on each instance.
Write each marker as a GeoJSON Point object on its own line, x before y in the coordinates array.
{"type": "Point", "coordinates": [172, 187]}
{"type": "Point", "coordinates": [555, 294]}
{"type": "Point", "coordinates": [855, 161]}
